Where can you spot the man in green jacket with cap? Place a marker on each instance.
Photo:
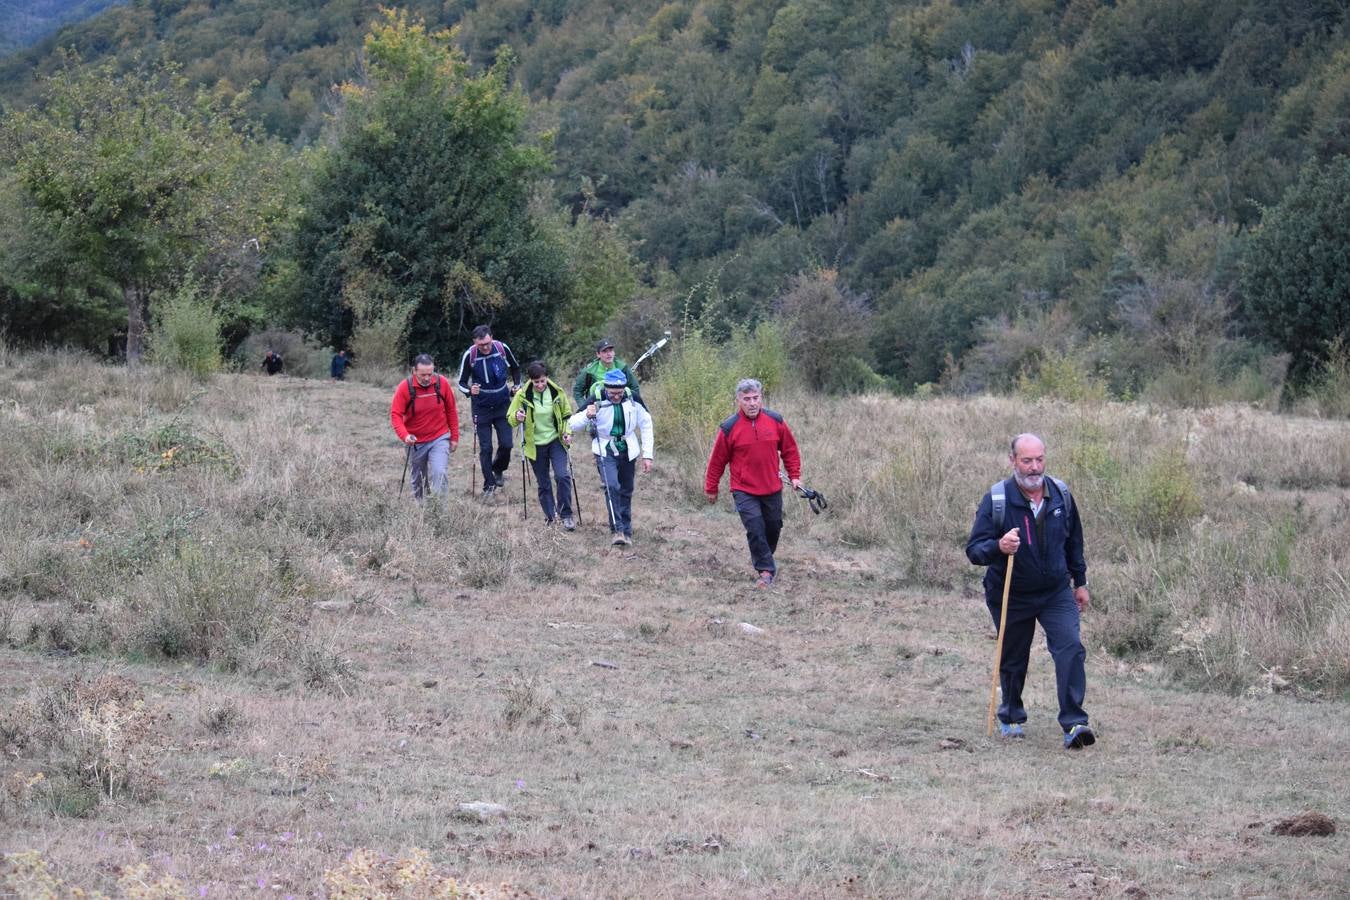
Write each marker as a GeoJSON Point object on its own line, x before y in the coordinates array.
{"type": "Point", "coordinates": [588, 385]}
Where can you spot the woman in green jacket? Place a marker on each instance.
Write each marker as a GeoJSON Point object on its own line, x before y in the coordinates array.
{"type": "Point", "coordinates": [544, 409]}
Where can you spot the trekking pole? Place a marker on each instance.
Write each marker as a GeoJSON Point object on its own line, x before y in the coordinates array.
{"type": "Point", "coordinates": [998, 650]}
{"type": "Point", "coordinates": [576, 493]}
{"type": "Point", "coordinates": [814, 499]}
{"type": "Point", "coordinates": [407, 457]}
{"type": "Point", "coordinates": [473, 460]}
{"type": "Point", "coordinates": [604, 483]}
{"type": "Point", "coordinates": [651, 351]}
{"type": "Point", "coordinates": [524, 475]}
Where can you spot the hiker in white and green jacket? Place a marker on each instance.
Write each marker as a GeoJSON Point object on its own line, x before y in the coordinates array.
{"type": "Point", "coordinates": [621, 434]}
{"type": "Point", "coordinates": [543, 408]}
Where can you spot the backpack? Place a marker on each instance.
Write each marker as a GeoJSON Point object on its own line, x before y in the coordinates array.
{"type": "Point", "coordinates": [474, 356]}
{"type": "Point", "coordinates": [412, 394]}
{"type": "Point", "coordinates": [731, 420]}
{"type": "Point", "coordinates": [1001, 501]}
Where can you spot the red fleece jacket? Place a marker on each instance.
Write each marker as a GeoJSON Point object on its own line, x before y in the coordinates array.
{"type": "Point", "coordinates": [753, 449]}
{"type": "Point", "coordinates": [430, 419]}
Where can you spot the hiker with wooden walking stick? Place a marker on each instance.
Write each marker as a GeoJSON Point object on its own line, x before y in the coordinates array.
{"type": "Point", "coordinates": [1031, 519]}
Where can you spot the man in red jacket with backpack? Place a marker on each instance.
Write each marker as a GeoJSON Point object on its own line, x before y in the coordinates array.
{"type": "Point", "coordinates": [424, 417]}
{"type": "Point", "coordinates": [753, 441]}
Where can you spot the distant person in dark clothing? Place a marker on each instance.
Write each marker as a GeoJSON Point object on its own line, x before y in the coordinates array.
{"type": "Point", "coordinates": [338, 368]}
{"type": "Point", "coordinates": [272, 363]}
{"type": "Point", "coordinates": [488, 375]}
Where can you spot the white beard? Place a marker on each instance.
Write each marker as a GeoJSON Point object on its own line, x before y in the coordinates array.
{"type": "Point", "coordinates": [1029, 482]}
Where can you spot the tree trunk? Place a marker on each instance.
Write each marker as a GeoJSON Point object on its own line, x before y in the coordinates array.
{"type": "Point", "coordinates": [135, 299]}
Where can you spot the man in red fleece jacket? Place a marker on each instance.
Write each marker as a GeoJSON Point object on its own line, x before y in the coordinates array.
{"type": "Point", "coordinates": [752, 441]}
{"type": "Point", "coordinates": [424, 417]}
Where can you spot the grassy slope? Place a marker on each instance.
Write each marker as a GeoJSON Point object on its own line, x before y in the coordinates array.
{"type": "Point", "coordinates": [840, 753]}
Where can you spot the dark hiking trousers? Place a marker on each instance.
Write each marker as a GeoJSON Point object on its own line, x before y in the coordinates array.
{"type": "Point", "coordinates": [1058, 615]}
{"type": "Point", "coordinates": [487, 421]}
{"type": "Point", "coordinates": [762, 516]}
{"type": "Point", "coordinates": [617, 477]}
{"type": "Point", "coordinates": [555, 454]}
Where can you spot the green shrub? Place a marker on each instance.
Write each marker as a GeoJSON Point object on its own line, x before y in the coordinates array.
{"type": "Point", "coordinates": [379, 342]}
{"type": "Point", "coordinates": [186, 336]}
{"type": "Point", "coordinates": [826, 329]}
{"type": "Point", "coordinates": [762, 355]}
{"type": "Point", "coordinates": [1162, 498]}
{"type": "Point", "coordinates": [697, 391]}
{"type": "Point", "coordinates": [1061, 376]}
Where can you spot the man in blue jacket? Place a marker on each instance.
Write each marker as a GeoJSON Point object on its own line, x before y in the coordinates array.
{"type": "Point", "coordinates": [1032, 518]}
{"type": "Point", "coordinates": [488, 375]}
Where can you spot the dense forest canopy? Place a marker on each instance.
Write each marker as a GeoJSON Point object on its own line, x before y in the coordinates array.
{"type": "Point", "coordinates": [1005, 189]}
{"type": "Point", "coordinates": [24, 22]}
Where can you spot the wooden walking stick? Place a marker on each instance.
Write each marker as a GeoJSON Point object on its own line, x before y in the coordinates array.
{"type": "Point", "coordinates": [998, 649]}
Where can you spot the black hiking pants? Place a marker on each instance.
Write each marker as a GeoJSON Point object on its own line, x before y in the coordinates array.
{"type": "Point", "coordinates": [489, 421]}
{"type": "Point", "coordinates": [762, 516]}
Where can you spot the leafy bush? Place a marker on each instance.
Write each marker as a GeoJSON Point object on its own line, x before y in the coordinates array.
{"type": "Point", "coordinates": [762, 354]}
{"type": "Point", "coordinates": [1061, 377]}
{"type": "Point", "coordinates": [826, 328]}
{"type": "Point", "coordinates": [698, 382]}
{"type": "Point", "coordinates": [379, 341]}
{"type": "Point", "coordinates": [186, 335]}
{"type": "Point", "coordinates": [1163, 498]}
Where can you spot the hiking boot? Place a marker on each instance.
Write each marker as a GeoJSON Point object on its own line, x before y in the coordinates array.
{"type": "Point", "coordinates": [569, 524]}
{"type": "Point", "coordinates": [1011, 730]}
{"type": "Point", "coordinates": [628, 540]}
{"type": "Point", "coordinates": [618, 540]}
{"type": "Point", "coordinates": [764, 580]}
{"type": "Point", "coordinates": [1078, 737]}
{"type": "Point", "coordinates": [489, 489]}
{"type": "Point", "coordinates": [549, 523]}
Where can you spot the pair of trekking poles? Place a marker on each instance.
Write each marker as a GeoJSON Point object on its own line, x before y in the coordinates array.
{"type": "Point", "coordinates": [524, 474]}
{"type": "Point", "coordinates": [525, 477]}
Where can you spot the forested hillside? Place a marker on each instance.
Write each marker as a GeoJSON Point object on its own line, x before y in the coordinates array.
{"type": "Point", "coordinates": [1062, 195]}
{"type": "Point", "coordinates": [23, 22]}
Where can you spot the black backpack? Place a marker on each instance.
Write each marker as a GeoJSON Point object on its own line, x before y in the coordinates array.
{"type": "Point", "coordinates": [1001, 501]}
{"type": "Point", "coordinates": [412, 394]}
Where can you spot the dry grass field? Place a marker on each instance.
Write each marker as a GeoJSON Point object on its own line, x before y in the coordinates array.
{"type": "Point", "coordinates": [235, 663]}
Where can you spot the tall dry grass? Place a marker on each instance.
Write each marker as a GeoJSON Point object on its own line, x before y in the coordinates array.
{"type": "Point", "coordinates": [157, 516]}
{"type": "Point", "coordinates": [322, 666]}
{"type": "Point", "coordinates": [1212, 535]}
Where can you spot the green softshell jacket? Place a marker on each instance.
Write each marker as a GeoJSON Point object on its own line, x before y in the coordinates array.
{"type": "Point", "coordinates": [524, 399]}
{"type": "Point", "coordinates": [584, 388]}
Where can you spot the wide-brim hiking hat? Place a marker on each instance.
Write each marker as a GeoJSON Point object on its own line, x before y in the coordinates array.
{"type": "Point", "coordinates": [604, 344]}
{"type": "Point", "coordinates": [616, 378]}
